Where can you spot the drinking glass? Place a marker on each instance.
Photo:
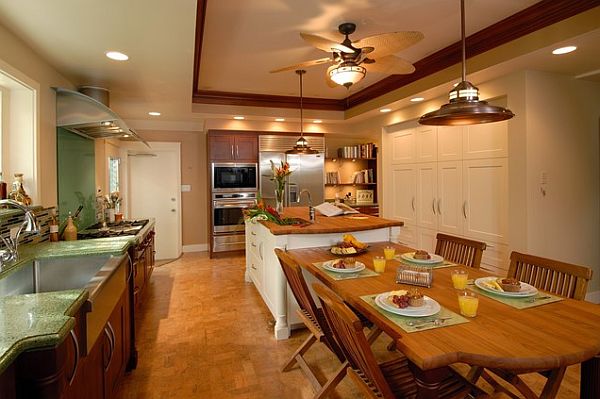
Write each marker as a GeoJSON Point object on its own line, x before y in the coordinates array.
{"type": "Point", "coordinates": [379, 264]}
{"type": "Point", "coordinates": [459, 279]}
{"type": "Point", "coordinates": [389, 252]}
{"type": "Point", "coordinates": [468, 303]}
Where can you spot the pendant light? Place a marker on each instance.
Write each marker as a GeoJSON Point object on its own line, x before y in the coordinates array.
{"type": "Point", "coordinates": [301, 146]}
{"type": "Point", "coordinates": [464, 107]}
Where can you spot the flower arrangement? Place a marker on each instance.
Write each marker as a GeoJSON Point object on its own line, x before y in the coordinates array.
{"type": "Point", "coordinates": [113, 200]}
{"type": "Point", "coordinates": [266, 212]}
{"type": "Point", "coordinates": [279, 174]}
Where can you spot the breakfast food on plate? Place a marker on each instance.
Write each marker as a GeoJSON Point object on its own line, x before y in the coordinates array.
{"type": "Point", "coordinates": [349, 238]}
{"type": "Point", "coordinates": [422, 255]}
{"type": "Point", "coordinates": [510, 284]}
{"type": "Point", "coordinates": [348, 263]}
{"type": "Point", "coordinates": [492, 284]}
{"type": "Point", "coordinates": [416, 298]}
{"type": "Point", "coordinates": [399, 298]}
{"type": "Point", "coordinates": [350, 245]}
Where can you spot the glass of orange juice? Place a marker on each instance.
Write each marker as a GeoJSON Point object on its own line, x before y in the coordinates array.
{"type": "Point", "coordinates": [389, 252]}
{"type": "Point", "coordinates": [459, 278]}
{"type": "Point", "coordinates": [468, 303]}
{"type": "Point", "coordinates": [379, 264]}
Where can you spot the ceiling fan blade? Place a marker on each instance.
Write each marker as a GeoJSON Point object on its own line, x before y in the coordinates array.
{"type": "Point", "coordinates": [391, 65]}
{"type": "Point", "coordinates": [305, 64]}
{"type": "Point", "coordinates": [325, 44]}
{"type": "Point", "coordinates": [389, 43]}
{"type": "Point", "coordinates": [328, 80]}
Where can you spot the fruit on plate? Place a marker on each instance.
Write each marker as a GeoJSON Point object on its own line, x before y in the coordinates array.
{"type": "Point", "coordinates": [348, 263]}
{"type": "Point", "coordinates": [399, 298]}
{"type": "Point", "coordinates": [509, 284]}
{"type": "Point", "coordinates": [422, 255]}
{"type": "Point", "coordinates": [349, 238]}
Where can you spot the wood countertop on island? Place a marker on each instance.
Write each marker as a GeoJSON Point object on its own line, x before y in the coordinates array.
{"type": "Point", "coordinates": [324, 224]}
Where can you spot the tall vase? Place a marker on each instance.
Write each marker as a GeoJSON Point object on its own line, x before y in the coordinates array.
{"type": "Point", "coordinates": [279, 200]}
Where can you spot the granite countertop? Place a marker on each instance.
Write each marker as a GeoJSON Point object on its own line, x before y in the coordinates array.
{"type": "Point", "coordinates": [324, 224]}
{"type": "Point", "coordinates": [43, 320]}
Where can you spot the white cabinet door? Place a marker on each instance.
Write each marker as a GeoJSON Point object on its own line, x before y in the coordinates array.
{"type": "Point", "coordinates": [485, 141]}
{"type": "Point", "coordinates": [426, 143]}
{"type": "Point", "coordinates": [485, 195]}
{"type": "Point", "coordinates": [404, 185]}
{"type": "Point", "coordinates": [407, 236]}
{"type": "Point", "coordinates": [449, 143]}
{"type": "Point", "coordinates": [427, 195]}
{"type": "Point", "coordinates": [427, 239]}
{"type": "Point", "coordinates": [403, 146]}
{"type": "Point", "coordinates": [449, 202]}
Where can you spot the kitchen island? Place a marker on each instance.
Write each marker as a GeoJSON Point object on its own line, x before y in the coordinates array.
{"type": "Point", "coordinates": [263, 268]}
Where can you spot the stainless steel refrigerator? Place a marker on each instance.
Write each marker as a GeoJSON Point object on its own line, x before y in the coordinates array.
{"type": "Point", "coordinates": [307, 170]}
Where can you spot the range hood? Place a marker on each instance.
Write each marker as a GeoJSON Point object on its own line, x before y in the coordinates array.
{"type": "Point", "coordinates": [89, 117]}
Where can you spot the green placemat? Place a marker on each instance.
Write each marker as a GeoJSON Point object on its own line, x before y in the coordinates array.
{"type": "Point", "coordinates": [447, 318]}
{"type": "Point", "coordinates": [366, 272]}
{"type": "Point", "coordinates": [541, 298]}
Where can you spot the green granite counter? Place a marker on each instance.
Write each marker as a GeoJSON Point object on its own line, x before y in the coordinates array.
{"type": "Point", "coordinates": [36, 321]}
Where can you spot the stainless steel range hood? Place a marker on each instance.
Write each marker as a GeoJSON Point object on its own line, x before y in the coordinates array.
{"type": "Point", "coordinates": [88, 117]}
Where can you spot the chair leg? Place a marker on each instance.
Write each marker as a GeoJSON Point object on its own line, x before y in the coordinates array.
{"type": "Point", "coordinates": [299, 352]}
{"type": "Point", "coordinates": [333, 382]}
{"type": "Point", "coordinates": [515, 381]}
{"type": "Point", "coordinates": [373, 334]}
{"type": "Point", "coordinates": [391, 346]}
{"type": "Point", "coordinates": [551, 388]}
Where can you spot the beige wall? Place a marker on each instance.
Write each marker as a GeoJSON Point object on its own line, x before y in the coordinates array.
{"type": "Point", "coordinates": [19, 56]}
{"type": "Point", "coordinates": [194, 204]}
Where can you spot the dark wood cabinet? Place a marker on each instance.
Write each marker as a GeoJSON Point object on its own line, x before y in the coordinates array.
{"type": "Point", "coordinates": [7, 383]}
{"type": "Point", "coordinates": [232, 146]}
{"type": "Point", "coordinates": [143, 266]}
{"type": "Point", "coordinates": [113, 354]}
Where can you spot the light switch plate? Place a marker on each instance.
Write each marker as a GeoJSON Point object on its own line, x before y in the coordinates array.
{"type": "Point", "coordinates": [186, 188]}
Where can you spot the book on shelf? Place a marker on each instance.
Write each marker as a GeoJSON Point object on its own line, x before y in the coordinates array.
{"type": "Point", "coordinates": [329, 209]}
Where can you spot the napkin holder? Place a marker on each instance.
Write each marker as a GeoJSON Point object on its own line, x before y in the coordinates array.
{"type": "Point", "coordinates": [414, 275]}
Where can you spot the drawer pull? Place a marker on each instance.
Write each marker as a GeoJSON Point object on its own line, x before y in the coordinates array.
{"type": "Point", "coordinates": [254, 267]}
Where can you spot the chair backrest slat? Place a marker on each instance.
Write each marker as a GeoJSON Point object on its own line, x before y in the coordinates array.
{"type": "Point", "coordinates": [560, 278]}
{"type": "Point", "coordinates": [460, 250]}
{"type": "Point", "coordinates": [348, 331]}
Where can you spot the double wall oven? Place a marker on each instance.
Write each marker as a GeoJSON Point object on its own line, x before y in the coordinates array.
{"type": "Point", "coordinates": [234, 187]}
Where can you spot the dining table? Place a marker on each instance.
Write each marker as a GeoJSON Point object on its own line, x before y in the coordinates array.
{"type": "Point", "coordinates": [544, 337]}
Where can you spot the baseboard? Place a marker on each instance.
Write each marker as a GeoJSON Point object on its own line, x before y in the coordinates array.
{"type": "Point", "coordinates": [195, 248]}
{"type": "Point", "coordinates": [593, 297]}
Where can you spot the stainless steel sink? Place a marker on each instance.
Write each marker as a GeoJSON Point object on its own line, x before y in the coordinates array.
{"type": "Point", "coordinates": [53, 274]}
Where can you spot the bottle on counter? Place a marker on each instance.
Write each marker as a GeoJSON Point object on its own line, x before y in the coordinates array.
{"type": "Point", "coordinates": [53, 227]}
{"type": "Point", "coordinates": [70, 233]}
{"type": "Point", "coordinates": [3, 188]}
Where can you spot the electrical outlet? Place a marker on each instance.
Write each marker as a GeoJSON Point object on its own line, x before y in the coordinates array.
{"type": "Point", "coordinates": [186, 188]}
{"type": "Point", "coordinates": [544, 177]}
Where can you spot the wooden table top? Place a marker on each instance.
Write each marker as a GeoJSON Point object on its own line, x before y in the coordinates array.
{"type": "Point", "coordinates": [542, 337]}
{"type": "Point", "coordinates": [334, 224]}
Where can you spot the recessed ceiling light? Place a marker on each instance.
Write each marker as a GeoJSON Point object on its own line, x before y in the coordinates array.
{"type": "Point", "coordinates": [317, 121]}
{"type": "Point", "coordinates": [125, 135]}
{"type": "Point", "coordinates": [279, 119]}
{"type": "Point", "coordinates": [117, 56]}
{"type": "Point", "coordinates": [416, 99]}
{"type": "Point", "coordinates": [384, 110]}
{"type": "Point", "coordinates": [239, 118]}
{"type": "Point", "coordinates": [564, 50]}
{"type": "Point", "coordinates": [154, 113]}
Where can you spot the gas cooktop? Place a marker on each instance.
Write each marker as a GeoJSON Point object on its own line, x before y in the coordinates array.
{"type": "Point", "coordinates": [122, 228]}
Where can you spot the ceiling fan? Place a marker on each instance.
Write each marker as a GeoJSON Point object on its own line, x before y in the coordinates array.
{"type": "Point", "coordinates": [352, 59]}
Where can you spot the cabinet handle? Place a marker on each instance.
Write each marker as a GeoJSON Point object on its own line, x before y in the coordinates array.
{"type": "Point", "coordinates": [237, 151]}
{"type": "Point", "coordinates": [130, 267]}
{"type": "Point", "coordinates": [232, 151]}
{"type": "Point", "coordinates": [465, 209]}
{"type": "Point", "coordinates": [260, 251]}
{"type": "Point", "coordinates": [439, 204]}
{"type": "Point", "coordinates": [412, 203]}
{"type": "Point", "coordinates": [254, 267]}
{"type": "Point", "coordinates": [433, 206]}
{"type": "Point", "coordinates": [253, 233]}
{"type": "Point", "coordinates": [253, 244]}
{"type": "Point", "coordinates": [110, 333]}
{"type": "Point", "coordinates": [76, 345]}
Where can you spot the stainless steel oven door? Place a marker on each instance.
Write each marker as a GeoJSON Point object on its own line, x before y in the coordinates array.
{"type": "Point", "coordinates": [228, 215]}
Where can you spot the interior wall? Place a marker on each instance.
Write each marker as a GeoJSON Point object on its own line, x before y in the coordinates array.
{"type": "Point", "coordinates": [562, 150]}
{"type": "Point", "coordinates": [18, 55]}
{"type": "Point", "coordinates": [194, 172]}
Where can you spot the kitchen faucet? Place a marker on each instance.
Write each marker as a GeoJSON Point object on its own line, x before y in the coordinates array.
{"type": "Point", "coordinates": [29, 225]}
{"type": "Point", "coordinates": [311, 210]}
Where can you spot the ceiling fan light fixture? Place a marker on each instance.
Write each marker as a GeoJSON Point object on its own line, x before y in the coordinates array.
{"type": "Point", "coordinates": [301, 147]}
{"type": "Point", "coordinates": [464, 106]}
{"type": "Point", "coordinates": [347, 75]}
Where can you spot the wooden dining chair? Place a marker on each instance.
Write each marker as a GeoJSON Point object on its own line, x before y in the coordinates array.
{"type": "Point", "coordinates": [390, 379]}
{"type": "Point", "coordinates": [314, 319]}
{"type": "Point", "coordinates": [460, 250]}
{"type": "Point", "coordinates": [559, 278]}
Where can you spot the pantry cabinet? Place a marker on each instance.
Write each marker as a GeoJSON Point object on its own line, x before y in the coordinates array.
{"type": "Point", "coordinates": [449, 179]}
{"type": "Point", "coordinates": [232, 147]}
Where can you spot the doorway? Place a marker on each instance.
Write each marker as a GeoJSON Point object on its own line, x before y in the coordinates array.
{"type": "Point", "coordinates": [152, 186]}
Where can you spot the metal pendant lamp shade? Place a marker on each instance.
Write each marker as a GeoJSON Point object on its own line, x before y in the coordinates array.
{"type": "Point", "coordinates": [464, 107]}
{"type": "Point", "coordinates": [301, 146]}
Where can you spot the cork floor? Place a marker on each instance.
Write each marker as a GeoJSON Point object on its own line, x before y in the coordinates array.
{"type": "Point", "coordinates": [205, 333]}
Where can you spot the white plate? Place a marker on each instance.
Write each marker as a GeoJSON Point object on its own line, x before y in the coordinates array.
{"type": "Point", "coordinates": [430, 307]}
{"type": "Point", "coordinates": [434, 258]}
{"type": "Point", "coordinates": [358, 266]}
{"type": "Point", "coordinates": [526, 289]}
